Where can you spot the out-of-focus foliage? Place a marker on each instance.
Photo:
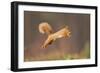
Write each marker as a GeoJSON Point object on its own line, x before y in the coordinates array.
{"type": "Point", "coordinates": [84, 54]}
{"type": "Point", "coordinates": [58, 55]}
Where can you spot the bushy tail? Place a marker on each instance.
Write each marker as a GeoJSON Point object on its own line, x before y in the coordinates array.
{"type": "Point", "coordinates": [45, 28]}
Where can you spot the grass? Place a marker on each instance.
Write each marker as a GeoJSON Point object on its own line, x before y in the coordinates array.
{"type": "Point", "coordinates": [61, 55]}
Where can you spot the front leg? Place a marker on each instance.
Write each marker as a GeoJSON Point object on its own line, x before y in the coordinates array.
{"type": "Point", "coordinates": [48, 41]}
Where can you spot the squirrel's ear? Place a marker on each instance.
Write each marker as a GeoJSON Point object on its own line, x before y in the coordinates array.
{"type": "Point", "coordinates": [44, 27]}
